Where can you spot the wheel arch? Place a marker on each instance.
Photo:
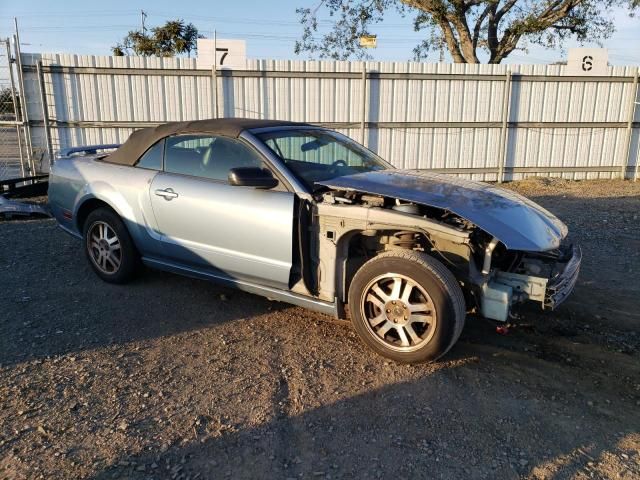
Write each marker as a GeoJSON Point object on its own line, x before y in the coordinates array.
{"type": "Point", "coordinates": [86, 207]}
{"type": "Point", "coordinates": [90, 204]}
{"type": "Point", "coordinates": [124, 259]}
{"type": "Point", "coordinates": [347, 265]}
{"type": "Point", "coordinates": [339, 226]}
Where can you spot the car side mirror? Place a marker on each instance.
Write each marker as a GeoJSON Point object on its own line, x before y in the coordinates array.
{"type": "Point", "coordinates": [252, 177]}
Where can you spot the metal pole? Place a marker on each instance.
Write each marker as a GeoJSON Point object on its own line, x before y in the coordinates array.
{"type": "Point", "coordinates": [143, 15]}
{"type": "Point", "coordinates": [632, 114]}
{"type": "Point", "coordinates": [214, 92]}
{"type": "Point", "coordinates": [24, 107]}
{"type": "Point", "coordinates": [363, 118]}
{"type": "Point", "coordinates": [45, 111]}
{"type": "Point", "coordinates": [505, 127]}
{"type": "Point", "coordinates": [214, 73]}
{"type": "Point", "coordinates": [16, 110]}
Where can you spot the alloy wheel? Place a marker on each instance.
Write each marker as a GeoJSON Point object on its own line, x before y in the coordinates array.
{"type": "Point", "coordinates": [104, 247]}
{"type": "Point", "coordinates": [399, 312]}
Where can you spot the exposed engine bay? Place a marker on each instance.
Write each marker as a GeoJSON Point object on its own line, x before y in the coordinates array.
{"type": "Point", "coordinates": [492, 277]}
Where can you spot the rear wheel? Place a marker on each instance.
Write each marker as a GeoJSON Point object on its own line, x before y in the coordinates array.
{"type": "Point", "coordinates": [109, 247]}
{"type": "Point", "coordinates": [407, 306]}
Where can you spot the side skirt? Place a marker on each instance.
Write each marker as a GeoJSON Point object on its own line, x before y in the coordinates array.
{"type": "Point", "coordinates": [69, 231]}
{"type": "Point", "coordinates": [328, 308]}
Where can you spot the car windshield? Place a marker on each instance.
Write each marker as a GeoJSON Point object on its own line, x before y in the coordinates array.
{"type": "Point", "coordinates": [315, 155]}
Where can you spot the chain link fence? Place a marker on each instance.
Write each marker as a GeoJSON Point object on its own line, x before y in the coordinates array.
{"type": "Point", "coordinates": [13, 162]}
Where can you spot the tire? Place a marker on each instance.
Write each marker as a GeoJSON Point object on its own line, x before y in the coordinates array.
{"type": "Point", "coordinates": [414, 327]}
{"type": "Point", "coordinates": [108, 246]}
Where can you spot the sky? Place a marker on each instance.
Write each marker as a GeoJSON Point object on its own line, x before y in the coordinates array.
{"type": "Point", "coordinates": [270, 28]}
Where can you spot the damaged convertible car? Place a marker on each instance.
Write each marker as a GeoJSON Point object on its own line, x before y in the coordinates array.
{"type": "Point", "coordinates": [302, 214]}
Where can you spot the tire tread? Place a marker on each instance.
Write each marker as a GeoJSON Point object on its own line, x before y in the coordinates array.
{"type": "Point", "coordinates": [442, 273]}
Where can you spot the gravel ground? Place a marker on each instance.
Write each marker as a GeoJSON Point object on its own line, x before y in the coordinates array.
{"type": "Point", "coordinates": [177, 378]}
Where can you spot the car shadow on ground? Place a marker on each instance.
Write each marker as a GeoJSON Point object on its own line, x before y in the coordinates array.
{"type": "Point", "coordinates": [66, 309]}
{"type": "Point", "coordinates": [458, 421]}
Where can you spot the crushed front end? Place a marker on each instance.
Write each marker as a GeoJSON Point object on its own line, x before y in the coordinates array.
{"type": "Point", "coordinates": [543, 277]}
{"type": "Point", "coordinates": [562, 284]}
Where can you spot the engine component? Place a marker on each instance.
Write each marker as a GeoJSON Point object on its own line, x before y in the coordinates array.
{"type": "Point", "coordinates": [488, 252]}
{"type": "Point", "coordinates": [410, 208]}
{"type": "Point", "coordinates": [496, 301]}
{"type": "Point", "coordinates": [372, 200]}
{"type": "Point", "coordinates": [534, 288]}
{"type": "Point", "coordinates": [404, 240]}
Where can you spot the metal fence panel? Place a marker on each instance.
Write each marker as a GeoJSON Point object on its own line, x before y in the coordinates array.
{"type": "Point", "coordinates": [435, 116]}
{"type": "Point", "coordinates": [13, 157]}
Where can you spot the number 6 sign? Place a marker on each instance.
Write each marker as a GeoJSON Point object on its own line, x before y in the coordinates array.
{"type": "Point", "coordinates": [588, 61]}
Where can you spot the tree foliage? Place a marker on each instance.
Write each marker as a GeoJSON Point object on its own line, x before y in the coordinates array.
{"type": "Point", "coordinates": [465, 27]}
{"type": "Point", "coordinates": [173, 38]}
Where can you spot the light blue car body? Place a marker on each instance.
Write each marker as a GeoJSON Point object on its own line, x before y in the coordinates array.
{"type": "Point", "coordinates": [248, 238]}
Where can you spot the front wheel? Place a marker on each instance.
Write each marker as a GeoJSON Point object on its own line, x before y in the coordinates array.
{"type": "Point", "coordinates": [109, 247]}
{"type": "Point", "coordinates": [407, 306]}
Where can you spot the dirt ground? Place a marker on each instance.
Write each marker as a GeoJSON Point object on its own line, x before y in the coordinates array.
{"type": "Point", "coordinates": [176, 378]}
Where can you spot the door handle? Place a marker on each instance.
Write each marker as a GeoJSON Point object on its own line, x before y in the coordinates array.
{"type": "Point", "coordinates": [167, 193]}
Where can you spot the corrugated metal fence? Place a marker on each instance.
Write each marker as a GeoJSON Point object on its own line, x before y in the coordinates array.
{"type": "Point", "coordinates": [480, 121]}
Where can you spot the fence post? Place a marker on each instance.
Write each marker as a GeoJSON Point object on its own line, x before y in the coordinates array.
{"type": "Point", "coordinates": [363, 118]}
{"type": "Point", "coordinates": [214, 88]}
{"type": "Point", "coordinates": [16, 107]}
{"type": "Point", "coordinates": [214, 74]}
{"type": "Point", "coordinates": [24, 107]}
{"type": "Point", "coordinates": [632, 114]}
{"type": "Point", "coordinates": [506, 107]}
{"type": "Point", "coordinates": [45, 111]}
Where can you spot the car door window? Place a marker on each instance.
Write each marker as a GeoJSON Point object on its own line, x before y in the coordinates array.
{"type": "Point", "coordinates": [208, 156]}
{"type": "Point", "coordinates": [152, 158]}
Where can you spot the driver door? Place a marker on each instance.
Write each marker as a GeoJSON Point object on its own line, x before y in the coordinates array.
{"type": "Point", "coordinates": [241, 233]}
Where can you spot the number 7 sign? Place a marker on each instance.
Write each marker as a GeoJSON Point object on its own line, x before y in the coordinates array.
{"type": "Point", "coordinates": [229, 54]}
{"type": "Point", "coordinates": [225, 52]}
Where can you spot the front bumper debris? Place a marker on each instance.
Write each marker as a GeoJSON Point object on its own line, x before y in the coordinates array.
{"type": "Point", "coordinates": [559, 287]}
{"type": "Point", "coordinates": [11, 208]}
{"type": "Point", "coordinates": [505, 289]}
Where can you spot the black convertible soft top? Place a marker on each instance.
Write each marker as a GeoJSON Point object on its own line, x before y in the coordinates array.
{"type": "Point", "coordinates": [141, 140]}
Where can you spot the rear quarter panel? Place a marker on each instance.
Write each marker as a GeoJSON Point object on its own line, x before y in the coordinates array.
{"type": "Point", "coordinates": [125, 189]}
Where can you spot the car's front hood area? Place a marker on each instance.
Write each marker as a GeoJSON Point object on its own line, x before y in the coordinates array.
{"type": "Point", "coordinates": [517, 222]}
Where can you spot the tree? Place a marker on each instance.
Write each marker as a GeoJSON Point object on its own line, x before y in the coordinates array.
{"type": "Point", "coordinates": [173, 38]}
{"type": "Point", "coordinates": [465, 27]}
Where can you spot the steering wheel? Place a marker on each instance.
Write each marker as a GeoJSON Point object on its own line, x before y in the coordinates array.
{"type": "Point", "coordinates": [339, 163]}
